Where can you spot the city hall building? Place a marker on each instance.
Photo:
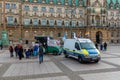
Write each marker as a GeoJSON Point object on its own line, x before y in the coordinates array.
{"type": "Point", "coordinates": [98, 20]}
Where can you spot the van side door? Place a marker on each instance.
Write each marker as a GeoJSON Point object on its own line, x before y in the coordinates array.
{"type": "Point", "coordinates": [77, 49]}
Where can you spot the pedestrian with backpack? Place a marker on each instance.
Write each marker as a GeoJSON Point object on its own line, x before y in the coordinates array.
{"type": "Point", "coordinates": [41, 53]}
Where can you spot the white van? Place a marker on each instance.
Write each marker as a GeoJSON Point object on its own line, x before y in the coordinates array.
{"type": "Point", "coordinates": [81, 48]}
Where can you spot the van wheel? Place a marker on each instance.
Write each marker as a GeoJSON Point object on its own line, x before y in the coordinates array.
{"type": "Point", "coordinates": [66, 55]}
{"type": "Point", "coordinates": [80, 59]}
{"type": "Point", "coordinates": [55, 52]}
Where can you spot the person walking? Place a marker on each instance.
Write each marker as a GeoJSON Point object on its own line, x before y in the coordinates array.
{"type": "Point", "coordinates": [20, 52]}
{"type": "Point", "coordinates": [40, 53]}
{"type": "Point", "coordinates": [105, 46]}
{"type": "Point", "coordinates": [101, 46]}
{"type": "Point", "coordinates": [11, 51]}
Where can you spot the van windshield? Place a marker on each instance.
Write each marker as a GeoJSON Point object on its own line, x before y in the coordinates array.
{"type": "Point", "coordinates": [87, 46]}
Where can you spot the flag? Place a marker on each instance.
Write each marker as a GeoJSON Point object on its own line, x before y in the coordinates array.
{"type": "Point", "coordinates": [64, 37]}
{"type": "Point", "coordinates": [87, 33]}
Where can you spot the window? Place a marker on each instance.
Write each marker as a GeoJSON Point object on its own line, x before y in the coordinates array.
{"type": "Point", "coordinates": [59, 10]}
{"type": "Point", "coordinates": [80, 12]}
{"type": "Point", "coordinates": [43, 9]}
{"type": "Point", "coordinates": [73, 23]}
{"type": "Point", "coordinates": [80, 23]}
{"type": "Point", "coordinates": [112, 41]}
{"type": "Point", "coordinates": [51, 33]}
{"type": "Point", "coordinates": [59, 22]}
{"type": "Point", "coordinates": [7, 5]}
{"type": "Point", "coordinates": [72, 11]}
{"type": "Point", "coordinates": [26, 8]}
{"type": "Point", "coordinates": [87, 46]}
{"type": "Point", "coordinates": [10, 20]}
{"type": "Point", "coordinates": [51, 22]}
{"type": "Point", "coordinates": [13, 6]}
{"type": "Point", "coordinates": [69, 2]}
{"type": "Point", "coordinates": [35, 21]}
{"type": "Point", "coordinates": [117, 41]}
{"type": "Point", "coordinates": [77, 46]}
{"type": "Point", "coordinates": [66, 23]}
{"type": "Point", "coordinates": [39, 1]}
{"type": "Point", "coordinates": [44, 22]}
{"type": "Point", "coordinates": [35, 8]}
{"type": "Point", "coordinates": [117, 34]}
{"type": "Point", "coordinates": [112, 34]}
{"type": "Point", "coordinates": [62, 2]}
{"type": "Point", "coordinates": [59, 34]}
{"type": "Point", "coordinates": [26, 21]}
{"type": "Point", "coordinates": [30, 0]}
{"type": "Point", "coordinates": [51, 10]}
{"type": "Point", "coordinates": [117, 14]}
{"type": "Point", "coordinates": [112, 14]}
{"type": "Point", "coordinates": [66, 11]}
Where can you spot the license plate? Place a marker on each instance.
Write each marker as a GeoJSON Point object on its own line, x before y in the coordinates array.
{"type": "Point", "coordinates": [94, 58]}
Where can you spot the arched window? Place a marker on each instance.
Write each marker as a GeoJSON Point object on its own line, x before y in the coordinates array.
{"type": "Point", "coordinates": [43, 33]}
{"type": "Point", "coordinates": [51, 33]}
{"type": "Point", "coordinates": [43, 22]}
{"type": "Point", "coordinates": [35, 21]}
{"type": "Point", "coordinates": [26, 21]}
{"type": "Point", "coordinates": [51, 22]}
{"type": "Point", "coordinates": [26, 34]}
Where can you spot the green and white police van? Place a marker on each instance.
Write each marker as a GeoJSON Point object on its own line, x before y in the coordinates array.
{"type": "Point", "coordinates": [81, 48]}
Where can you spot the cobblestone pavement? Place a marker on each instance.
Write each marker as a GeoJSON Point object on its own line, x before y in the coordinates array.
{"type": "Point", "coordinates": [60, 68]}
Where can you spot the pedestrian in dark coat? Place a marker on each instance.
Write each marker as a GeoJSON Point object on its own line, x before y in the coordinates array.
{"type": "Point", "coordinates": [20, 52]}
{"type": "Point", "coordinates": [11, 51]}
{"type": "Point", "coordinates": [96, 45]}
{"type": "Point", "coordinates": [101, 46]}
{"type": "Point", "coordinates": [16, 50]}
{"type": "Point", "coordinates": [105, 46]}
{"type": "Point", "coordinates": [40, 53]}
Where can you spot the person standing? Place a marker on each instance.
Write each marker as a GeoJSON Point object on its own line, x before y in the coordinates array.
{"type": "Point", "coordinates": [16, 50]}
{"type": "Point", "coordinates": [105, 46]}
{"type": "Point", "coordinates": [1, 46]}
{"type": "Point", "coordinates": [20, 52]}
{"type": "Point", "coordinates": [11, 51]}
{"type": "Point", "coordinates": [35, 50]}
{"type": "Point", "coordinates": [96, 45]}
{"type": "Point", "coordinates": [40, 53]}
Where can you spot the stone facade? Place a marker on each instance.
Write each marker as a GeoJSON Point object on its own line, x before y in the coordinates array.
{"type": "Point", "coordinates": [94, 19]}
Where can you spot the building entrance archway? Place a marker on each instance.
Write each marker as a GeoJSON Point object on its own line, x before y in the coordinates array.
{"type": "Point", "coordinates": [99, 37]}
